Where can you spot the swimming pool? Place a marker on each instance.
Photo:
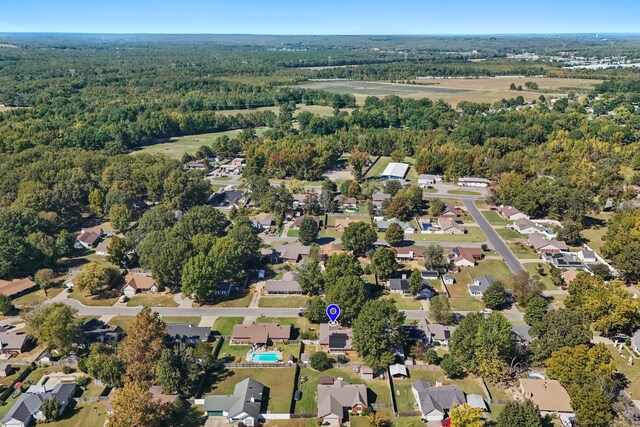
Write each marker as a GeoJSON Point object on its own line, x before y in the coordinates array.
{"type": "Point", "coordinates": [264, 357]}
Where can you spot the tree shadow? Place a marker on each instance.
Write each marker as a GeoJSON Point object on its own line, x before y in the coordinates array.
{"type": "Point", "coordinates": [325, 240]}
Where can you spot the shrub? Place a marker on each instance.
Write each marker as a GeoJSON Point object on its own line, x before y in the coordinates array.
{"type": "Point", "coordinates": [319, 361]}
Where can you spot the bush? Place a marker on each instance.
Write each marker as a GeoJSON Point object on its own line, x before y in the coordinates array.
{"type": "Point", "coordinates": [319, 361]}
{"type": "Point", "coordinates": [431, 357]}
{"type": "Point", "coordinates": [67, 370]}
{"type": "Point", "coordinates": [450, 367]}
{"type": "Point", "coordinates": [83, 381]}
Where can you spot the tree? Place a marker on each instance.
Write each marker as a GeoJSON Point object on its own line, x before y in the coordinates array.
{"type": "Point", "coordinates": [394, 234]}
{"type": "Point", "coordinates": [165, 252]}
{"type": "Point", "coordinates": [340, 265]}
{"type": "Point", "coordinates": [143, 345]}
{"type": "Point", "coordinates": [440, 310]}
{"type": "Point", "coordinates": [6, 305]}
{"type": "Point", "coordinates": [535, 311]}
{"type": "Point", "coordinates": [525, 414]}
{"type": "Point", "coordinates": [495, 296]}
{"type": "Point", "coordinates": [525, 288]}
{"type": "Point", "coordinates": [349, 294]}
{"type": "Point", "coordinates": [179, 371]}
{"type": "Point", "coordinates": [570, 233]}
{"type": "Point", "coordinates": [466, 416]}
{"type": "Point", "coordinates": [382, 320]}
{"type": "Point", "coordinates": [308, 232]}
{"type": "Point", "coordinates": [383, 262]}
{"type": "Point", "coordinates": [316, 310]}
{"type": "Point", "coordinates": [450, 367]}
{"type": "Point", "coordinates": [202, 220]}
{"type": "Point", "coordinates": [431, 357]}
{"type": "Point", "coordinates": [96, 202]}
{"type": "Point", "coordinates": [56, 326]}
{"type": "Point", "coordinates": [184, 191]}
{"type": "Point", "coordinates": [44, 277]}
{"type": "Point", "coordinates": [310, 278]}
{"type": "Point", "coordinates": [434, 258]}
{"type": "Point", "coordinates": [398, 208]}
{"type": "Point", "coordinates": [557, 329]}
{"type": "Point", "coordinates": [592, 406]}
{"type": "Point", "coordinates": [120, 217]}
{"type": "Point", "coordinates": [415, 282]}
{"type": "Point", "coordinates": [118, 249]}
{"type": "Point", "coordinates": [64, 244]}
{"type": "Point", "coordinates": [319, 361]}
{"type": "Point", "coordinates": [200, 278]}
{"type": "Point", "coordinates": [581, 364]}
{"type": "Point", "coordinates": [377, 420]}
{"type": "Point", "coordinates": [436, 207]}
{"type": "Point", "coordinates": [134, 406]}
{"type": "Point", "coordinates": [391, 187]}
{"type": "Point", "coordinates": [104, 364]}
{"type": "Point", "coordinates": [96, 278]}
{"type": "Point", "coordinates": [50, 409]}
{"type": "Point", "coordinates": [359, 237]}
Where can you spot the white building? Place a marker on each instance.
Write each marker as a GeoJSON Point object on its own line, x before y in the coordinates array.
{"type": "Point", "coordinates": [426, 180]}
{"type": "Point", "coordinates": [395, 171]}
{"type": "Point", "coordinates": [473, 182]}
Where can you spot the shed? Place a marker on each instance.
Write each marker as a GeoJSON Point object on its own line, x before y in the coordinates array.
{"type": "Point", "coordinates": [398, 371]}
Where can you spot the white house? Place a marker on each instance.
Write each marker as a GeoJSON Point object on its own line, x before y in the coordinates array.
{"type": "Point", "coordinates": [511, 213]}
{"type": "Point", "coordinates": [473, 182]}
{"type": "Point", "coordinates": [426, 180]}
{"type": "Point", "coordinates": [139, 282]}
{"type": "Point", "coordinates": [587, 256]}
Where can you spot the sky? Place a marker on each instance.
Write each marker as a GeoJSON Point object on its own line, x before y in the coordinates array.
{"type": "Point", "coordinates": [322, 16]}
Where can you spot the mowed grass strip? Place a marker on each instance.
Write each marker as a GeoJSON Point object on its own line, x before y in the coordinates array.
{"type": "Point", "coordinates": [224, 325]}
{"type": "Point", "coordinates": [284, 301]}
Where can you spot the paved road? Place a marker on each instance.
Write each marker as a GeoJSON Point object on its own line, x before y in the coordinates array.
{"type": "Point", "coordinates": [496, 241]}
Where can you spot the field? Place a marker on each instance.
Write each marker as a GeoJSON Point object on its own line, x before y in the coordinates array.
{"type": "Point", "coordinates": [456, 90]}
{"type": "Point", "coordinates": [123, 321]}
{"type": "Point", "coordinates": [545, 277]}
{"type": "Point", "coordinates": [491, 267]}
{"type": "Point", "coordinates": [404, 303]}
{"type": "Point", "coordinates": [460, 299]}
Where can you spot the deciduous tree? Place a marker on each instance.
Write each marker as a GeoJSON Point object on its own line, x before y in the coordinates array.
{"type": "Point", "coordinates": [308, 232]}
{"type": "Point", "coordinates": [56, 326]}
{"type": "Point", "coordinates": [495, 296]}
{"type": "Point", "coordinates": [359, 237]}
{"type": "Point", "coordinates": [383, 262]}
{"type": "Point", "coordinates": [349, 294]}
{"type": "Point", "coordinates": [394, 234]}
{"type": "Point", "coordinates": [440, 310]}
{"type": "Point", "coordinates": [134, 406]}
{"type": "Point", "coordinates": [179, 371]}
{"type": "Point", "coordinates": [466, 416]}
{"type": "Point", "coordinates": [142, 347]}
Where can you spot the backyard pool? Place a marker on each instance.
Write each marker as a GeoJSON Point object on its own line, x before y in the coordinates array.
{"type": "Point", "coordinates": [264, 357]}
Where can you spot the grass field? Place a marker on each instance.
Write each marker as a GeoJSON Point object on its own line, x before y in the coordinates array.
{"type": "Point", "coordinates": [289, 301]}
{"type": "Point", "coordinates": [194, 320]}
{"type": "Point", "coordinates": [403, 303]}
{"type": "Point", "coordinates": [494, 218]}
{"type": "Point", "coordinates": [545, 277]}
{"type": "Point", "coordinates": [378, 167]}
{"type": "Point", "coordinates": [595, 238]}
{"type": "Point", "coordinates": [179, 145]}
{"type": "Point", "coordinates": [493, 268]}
{"type": "Point", "coordinates": [82, 414]}
{"type": "Point", "coordinates": [473, 234]}
{"type": "Point", "coordinates": [152, 300]}
{"type": "Point", "coordinates": [92, 300]}
{"type": "Point", "coordinates": [225, 325]}
{"type": "Point", "coordinates": [36, 297]}
{"type": "Point", "coordinates": [460, 299]}
{"type": "Point", "coordinates": [631, 372]}
{"type": "Point", "coordinates": [241, 300]}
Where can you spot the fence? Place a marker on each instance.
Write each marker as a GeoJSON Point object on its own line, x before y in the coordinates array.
{"type": "Point", "coordinates": [91, 399]}
{"type": "Point", "coordinates": [259, 365]}
{"type": "Point", "coordinates": [409, 414]}
{"type": "Point", "coordinates": [5, 394]}
{"type": "Point", "coordinates": [382, 405]}
{"type": "Point", "coordinates": [427, 367]}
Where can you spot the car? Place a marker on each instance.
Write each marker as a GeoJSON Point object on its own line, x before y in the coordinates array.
{"type": "Point", "coordinates": [300, 314]}
{"type": "Point", "coordinates": [486, 311]}
{"type": "Point", "coordinates": [297, 395]}
{"type": "Point", "coordinates": [430, 187]}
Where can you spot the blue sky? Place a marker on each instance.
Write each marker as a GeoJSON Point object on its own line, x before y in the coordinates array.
{"type": "Point", "coordinates": [321, 16]}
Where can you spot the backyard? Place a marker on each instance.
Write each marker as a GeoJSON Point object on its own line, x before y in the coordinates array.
{"type": "Point", "coordinates": [493, 268]}
{"type": "Point", "coordinates": [459, 297]}
{"type": "Point", "coordinates": [545, 276]}
{"type": "Point", "coordinates": [523, 251]}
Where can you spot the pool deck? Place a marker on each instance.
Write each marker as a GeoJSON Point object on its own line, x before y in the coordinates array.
{"type": "Point", "coordinates": [250, 354]}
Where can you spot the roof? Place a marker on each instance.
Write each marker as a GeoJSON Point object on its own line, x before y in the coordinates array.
{"type": "Point", "coordinates": [469, 254]}
{"type": "Point", "coordinates": [481, 283]}
{"type": "Point", "coordinates": [30, 402]}
{"type": "Point", "coordinates": [366, 370]}
{"type": "Point", "coordinates": [282, 286]}
{"type": "Point", "coordinates": [160, 397]}
{"type": "Point", "coordinates": [12, 340]}
{"type": "Point", "coordinates": [15, 286]}
{"type": "Point", "coordinates": [246, 397]}
{"type": "Point", "coordinates": [140, 281]}
{"type": "Point", "coordinates": [472, 179]}
{"type": "Point", "coordinates": [522, 330]}
{"type": "Point", "coordinates": [394, 169]}
{"type": "Point", "coordinates": [549, 395]}
{"type": "Point", "coordinates": [569, 275]}
{"type": "Point", "coordinates": [415, 252]}
{"type": "Point", "coordinates": [225, 198]}
{"type": "Point", "coordinates": [345, 222]}
{"type": "Point", "coordinates": [437, 331]}
{"type": "Point", "coordinates": [509, 211]}
{"type": "Point", "coordinates": [181, 331]}
{"type": "Point", "coordinates": [102, 247]}
{"type": "Point", "coordinates": [587, 254]}
{"type": "Point", "coordinates": [264, 219]}
{"type": "Point", "coordinates": [539, 241]}
{"type": "Point", "coordinates": [440, 398]}
{"type": "Point", "coordinates": [524, 223]}
{"type": "Point", "coordinates": [331, 249]}
{"type": "Point", "coordinates": [563, 260]}
{"type": "Point", "coordinates": [446, 223]}
{"type": "Point", "coordinates": [88, 237]}
{"type": "Point", "coordinates": [428, 177]}
{"type": "Point", "coordinates": [383, 225]}
{"type": "Point", "coordinates": [260, 333]}
{"type": "Point", "coordinates": [399, 285]}
{"type": "Point", "coordinates": [398, 369]}
{"type": "Point", "coordinates": [476, 401]}
{"type": "Point", "coordinates": [335, 337]}
{"type": "Point", "coordinates": [635, 339]}
{"type": "Point", "coordinates": [332, 399]}
{"type": "Point", "coordinates": [293, 251]}
{"type": "Point", "coordinates": [379, 196]}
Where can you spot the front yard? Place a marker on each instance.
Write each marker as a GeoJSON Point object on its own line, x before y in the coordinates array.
{"type": "Point", "coordinates": [545, 276]}
{"type": "Point", "coordinates": [404, 302]}
{"type": "Point", "coordinates": [152, 300]}
{"type": "Point", "coordinates": [473, 234]}
{"type": "Point", "coordinates": [104, 299]}
{"type": "Point", "coordinates": [284, 301]}
{"type": "Point", "coordinates": [523, 251]}
{"type": "Point", "coordinates": [224, 325]}
{"type": "Point", "coordinates": [494, 218]}
{"type": "Point", "coordinates": [509, 234]}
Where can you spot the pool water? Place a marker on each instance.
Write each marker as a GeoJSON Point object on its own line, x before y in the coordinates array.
{"type": "Point", "coordinates": [264, 357]}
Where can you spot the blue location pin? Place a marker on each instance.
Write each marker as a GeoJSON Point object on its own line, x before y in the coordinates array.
{"type": "Point", "coordinates": [333, 311]}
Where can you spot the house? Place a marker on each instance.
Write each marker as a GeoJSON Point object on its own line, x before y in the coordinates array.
{"type": "Point", "coordinates": [300, 199]}
{"type": "Point", "coordinates": [348, 202]}
{"type": "Point", "coordinates": [511, 213]}
{"type": "Point", "coordinates": [429, 274]}
{"type": "Point", "coordinates": [263, 221]}
{"type": "Point", "coordinates": [635, 341]}
{"type": "Point", "coordinates": [102, 249]}
{"type": "Point", "coordinates": [449, 211]}
{"type": "Point", "coordinates": [378, 198]}
{"type": "Point", "coordinates": [425, 180]}
{"type": "Point", "coordinates": [587, 256]}
{"type": "Point", "coordinates": [435, 402]}
{"type": "Point", "coordinates": [522, 332]}
{"type": "Point", "coordinates": [409, 254]}
{"type": "Point", "coordinates": [28, 406]}
{"type": "Point", "coordinates": [448, 279]}
{"type": "Point", "coordinates": [298, 221]}
{"type": "Point", "coordinates": [477, 401]}
{"type": "Point", "coordinates": [187, 333]}
{"type": "Point", "coordinates": [526, 226]}
{"type": "Point", "coordinates": [334, 339]}
{"type": "Point", "coordinates": [479, 285]}
{"type": "Point", "coordinates": [12, 343]}
{"type": "Point", "coordinates": [243, 406]}
{"type": "Point", "coordinates": [473, 182]}
{"type": "Point", "coordinates": [342, 223]}
{"type": "Point", "coordinates": [464, 257]}
{"type": "Point", "coordinates": [549, 395]}
{"type": "Point", "coordinates": [398, 371]}
{"type": "Point", "coordinates": [226, 199]}
{"type": "Point", "coordinates": [366, 373]}
{"type": "Point", "coordinates": [383, 225]}
{"type": "Point", "coordinates": [88, 238]}
{"type": "Point", "coordinates": [563, 260]}
{"type": "Point", "coordinates": [260, 334]}
{"type": "Point", "coordinates": [331, 249]}
{"type": "Point", "coordinates": [544, 245]}
{"type": "Point", "coordinates": [569, 275]}
{"type": "Point", "coordinates": [158, 395]}
{"type": "Point", "coordinates": [139, 282]}
{"type": "Point", "coordinates": [238, 162]}
{"type": "Point", "coordinates": [450, 227]}
{"type": "Point", "coordinates": [17, 287]}
{"type": "Point", "coordinates": [394, 171]}
{"type": "Point", "coordinates": [97, 331]}
{"type": "Point", "coordinates": [5, 369]}
{"type": "Point", "coordinates": [339, 398]}
{"type": "Point", "coordinates": [399, 285]}
{"type": "Point", "coordinates": [425, 293]}
{"type": "Point", "coordinates": [292, 253]}
{"type": "Point", "coordinates": [435, 333]}
{"type": "Point", "coordinates": [283, 287]}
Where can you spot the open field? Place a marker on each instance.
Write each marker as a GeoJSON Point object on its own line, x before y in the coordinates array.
{"type": "Point", "coordinates": [492, 268]}
{"type": "Point", "coordinates": [455, 90]}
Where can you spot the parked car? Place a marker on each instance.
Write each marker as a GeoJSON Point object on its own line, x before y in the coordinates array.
{"type": "Point", "coordinates": [486, 311]}
{"type": "Point", "coordinates": [297, 395]}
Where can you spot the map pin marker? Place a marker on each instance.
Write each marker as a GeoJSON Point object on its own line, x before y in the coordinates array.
{"type": "Point", "coordinates": [333, 311]}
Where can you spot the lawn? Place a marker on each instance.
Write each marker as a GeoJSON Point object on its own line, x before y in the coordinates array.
{"type": "Point", "coordinates": [379, 167]}
{"type": "Point", "coordinates": [473, 234]}
{"type": "Point", "coordinates": [595, 237]}
{"type": "Point", "coordinates": [239, 300]}
{"type": "Point", "coordinates": [631, 372]}
{"type": "Point", "coordinates": [7, 381]}
{"type": "Point", "coordinates": [494, 218]}
{"type": "Point", "coordinates": [233, 353]}
{"type": "Point", "coordinates": [279, 381]}
{"type": "Point", "coordinates": [301, 323]}
{"type": "Point", "coordinates": [459, 297]}
{"type": "Point", "coordinates": [194, 320]}
{"type": "Point", "coordinates": [290, 301]}
{"type": "Point", "coordinates": [225, 325]}
{"type": "Point", "coordinates": [509, 234]}
{"type": "Point", "coordinates": [152, 300]}
{"type": "Point", "coordinates": [32, 298]}
{"type": "Point", "coordinates": [545, 277]}
{"type": "Point", "coordinates": [293, 232]}
{"type": "Point", "coordinates": [491, 267]}
{"type": "Point", "coordinates": [464, 192]}
{"type": "Point", "coordinates": [523, 251]}
{"type": "Point", "coordinates": [82, 414]}
{"type": "Point", "coordinates": [402, 388]}
{"type": "Point", "coordinates": [123, 321]}
{"type": "Point", "coordinates": [404, 303]}
{"type": "Point", "coordinates": [93, 300]}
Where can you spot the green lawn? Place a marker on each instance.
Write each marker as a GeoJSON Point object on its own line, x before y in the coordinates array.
{"type": "Point", "coordinates": [82, 414]}
{"type": "Point", "coordinates": [523, 251]}
{"type": "Point", "coordinates": [189, 143]}
{"type": "Point", "coordinates": [402, 388]}
{"type": "Point", "coordinates": [93, 300]}
{"type": "Point", "coordinates": [404, 303]}
{"type": "Point", "coordinates": [279, 381]}
{"type": "Point", "coordinates": [152, 300]}
{"type": "Point", "coordinates": [493, 268]}
{"type": "Point", "coordinates": [494, 218]}
{"type": "Point", "coordinates": [379, 167]}
{"type": "Point", "coordinates": [464, 192]}
{"type": "Point", "coordinates": [473, 234]}
{"type": "Point", "coordinates": [32, 298]}
{"type": "Point", "coordinates": [194, 320]}
{"type": "Point", "coordinates": [293, 232]}
{"type": "Point", "coordinates": [233, 353]}
{"type": "Point", "coordinates": [459, 297]}
{"type": "Point", "coordinates": [631, 372]}
{"type": "Point", "coordinates": [509, 234]}
{"type": "Point", "coordinates": [545, 277]}
{"type": "Point", "coordinates": [289, 301]}
{"type": "Point", "coordinates": [595, 237]}
{"type": "Point", "coordinates": [225, 325]}
{"type": "Point", "coordinates": [301, 323]}
{"type": "Point", "coordinates": [241, 300]}
{"type": "Point", "coordinates": [123, 321]}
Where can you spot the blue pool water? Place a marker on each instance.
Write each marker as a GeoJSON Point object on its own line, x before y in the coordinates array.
{"type": "Point", "coordinates": [264, 357]}
{"type": "Point", "coordinates": [426, 226]}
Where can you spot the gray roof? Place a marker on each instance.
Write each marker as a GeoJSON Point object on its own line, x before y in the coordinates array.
{"type": "Point", "coordinates": [186, 331]}
{"type": "Point", "coordinates": [332, 399]}
{"type": "Point", "coordinates": [12, 340]}
{"type": "Point", "coordinates": [440, 398]}
{"type": "Point", "coordinates": [293, 251]}
{"type": "Point", "coordinates": [335, 337]}
{"type": "Point", "coordinates": [282, 286]}
{"type": "Point", "coordinates": [399, 285]}
{"type": "Point", "coordinates": [394, 169]}
{"type": "Point", "coordinates": [635, 339]}
{"type": "Point", "coordinates": [398, 369]}
{"type": "Point", "coordinates": [379, 196]}
{"type": "Point", "coordinates": [246, 397]}
{"type": "Point", "coordinates": [383, 225]}
{"type": "Point", "coordinates": [437, 331]}
{"type": "Point", "coordinates": [29, 403]}
{"type": "Point", "coordinates": [538, 240]}
{"type": "Point", "coordinates": [522, 330]}
{"type": "Point", "coordinates": [476, 401]}
{"type": "Point", "coordinates": [563, 260]}
{"type": "Point", "coordinates": [429, 177]}
{"type": "Point", "coordinates": [481, 284]}
{"type": "Point", "coordinates": [471, 179]}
